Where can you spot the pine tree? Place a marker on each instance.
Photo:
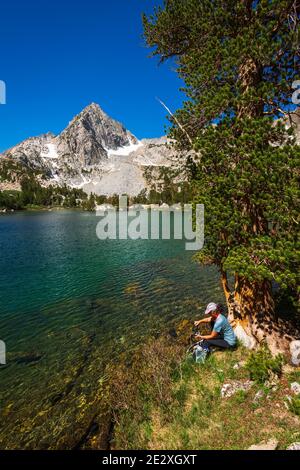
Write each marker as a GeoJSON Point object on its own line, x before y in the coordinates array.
{"type": "Point", "coordinates": [238, 60]}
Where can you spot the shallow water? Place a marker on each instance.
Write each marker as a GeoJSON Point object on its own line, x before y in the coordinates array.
{"type": "Point", "coordinates": [69, 304]}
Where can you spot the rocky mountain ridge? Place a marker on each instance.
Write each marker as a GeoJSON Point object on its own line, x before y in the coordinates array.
{"type": "Point", "coordinates": [95, 153]}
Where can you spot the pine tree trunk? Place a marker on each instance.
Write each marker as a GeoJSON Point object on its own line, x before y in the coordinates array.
{"type": "Point", "coordinates": [250, 304]}
{"type": "Point", "coordinates": [251, 311]}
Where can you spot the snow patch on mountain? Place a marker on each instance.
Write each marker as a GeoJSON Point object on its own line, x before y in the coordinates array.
{"type": "Point", "coordinates": [125, 150]}
{"type": "Point", "coordinates": [49, 151]}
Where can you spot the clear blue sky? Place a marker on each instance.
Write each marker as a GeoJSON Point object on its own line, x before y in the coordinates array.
{"type": "Point", "coordinates": [58, 56]}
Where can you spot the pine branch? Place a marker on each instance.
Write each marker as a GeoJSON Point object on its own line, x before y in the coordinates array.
{"type": "Point", "coordinates": [176, 120]}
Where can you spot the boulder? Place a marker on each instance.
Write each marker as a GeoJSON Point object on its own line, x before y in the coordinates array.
{"type": "Point", "coordinates": [295, 352]}
{"type": "Point", "coordinates": [246, 340]}
{"type": "Point", "coordinates": [294, 446]}
{"type": "Point", "coordinates": [295, 387]}
{"type": "Point", "coordinates": [231, 388]}
{"type": "Point", "coordinates": [294, 346]}
{"type": "Point", "coordinates": [271, 444]}
{"type": "Point", "coordinates": [288, 401]}
{"type": "Point", "coordinates": [258, 396]}
{"type": "Point", "coordinates": [238, 365]}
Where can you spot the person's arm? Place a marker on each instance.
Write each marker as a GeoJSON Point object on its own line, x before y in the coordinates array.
{"type": "Point", "coordinates": [213, 335]}
{"type": "Point", "coordinates": [204, 320]}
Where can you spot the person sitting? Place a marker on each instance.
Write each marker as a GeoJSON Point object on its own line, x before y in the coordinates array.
{"type": "Point", "coordinates": [222, 334]}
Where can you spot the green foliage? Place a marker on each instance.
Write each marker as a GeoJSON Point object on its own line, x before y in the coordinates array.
{"type": "Point", "coordinates": [261, 365]}
{"type": "Point", "coordinates": [32, 194]}
{"type": "Point", "coordinates": [240, 397]}
{"type": "Point", "coordinates": [294, 405]}
{"type": "Point", "coordinates": [141, 198]}
{"type": "Point", "coordinates": [90, 203]}
{"type": "Point", "coordinates": [35, 194]}
{"type": "Point", "coordinates": [167, 186]}
{"type": "Point", "coordinates": [11, 171]}
{"type": "Point", "coordinates": [238, 62]}
{"type": "Point", "coordinates": [11, 200]}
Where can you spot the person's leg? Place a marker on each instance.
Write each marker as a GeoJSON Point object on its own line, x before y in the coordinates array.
{"type": "Point", "coordinates": [219, 343]}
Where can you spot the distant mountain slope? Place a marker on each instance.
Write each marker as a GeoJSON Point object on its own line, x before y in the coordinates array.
{"type": "Point", "coordinates": [94, 152]}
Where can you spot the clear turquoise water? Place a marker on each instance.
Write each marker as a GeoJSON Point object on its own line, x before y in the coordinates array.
{"type": "Point", "coordinates": [69, 304]}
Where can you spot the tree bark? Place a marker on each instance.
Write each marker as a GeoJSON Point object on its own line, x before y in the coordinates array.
{"type": "Point", "coordinates": [251, 310]}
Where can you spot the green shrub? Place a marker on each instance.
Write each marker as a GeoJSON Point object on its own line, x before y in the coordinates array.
{"type": "Point", "coordinates": [240, 396]}
{"type": "Point", "coordinates": [294, 405]}
{"type": "Point", "coordinates": [261, 365]}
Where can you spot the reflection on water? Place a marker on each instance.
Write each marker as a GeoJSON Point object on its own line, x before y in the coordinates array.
{"type": "Point", "coordinates": [69, 305]}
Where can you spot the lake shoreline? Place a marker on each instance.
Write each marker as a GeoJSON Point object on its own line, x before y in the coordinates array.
{"type": "Point", "coordinates": [42, 209]}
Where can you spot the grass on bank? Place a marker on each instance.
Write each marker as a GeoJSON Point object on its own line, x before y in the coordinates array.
{"type": "Point", "coordinates": [164, 400]}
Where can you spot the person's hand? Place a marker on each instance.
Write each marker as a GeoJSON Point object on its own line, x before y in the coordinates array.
{"type": "Point", "coordinates": [197, 323]}
{"type": "Point", "coordinates": [198, 336]}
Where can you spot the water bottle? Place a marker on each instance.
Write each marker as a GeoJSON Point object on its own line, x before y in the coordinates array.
{"type": "Point", "coordinates": [200, 354]}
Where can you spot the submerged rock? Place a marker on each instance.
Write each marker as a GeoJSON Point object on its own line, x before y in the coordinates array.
{"type": "Point", "coordinates": [172, 332]}
{"type": "Point", "coordinates": [184, 331]}
{"type": "Point", "coordinates": [132, 289]}
{"type": "Point", "coordinates": [29, 358]}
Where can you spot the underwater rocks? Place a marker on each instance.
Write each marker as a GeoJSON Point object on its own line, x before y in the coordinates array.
{"type": "Point", "coordinates": [184, 331]}
{"type": "Point", "coordinates": [132, 289]}
{"type": "Point", "coordinates": [27, 358]}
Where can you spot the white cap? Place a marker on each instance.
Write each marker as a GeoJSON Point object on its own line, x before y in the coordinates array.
{"type": "Point", "coordinates": [212, 307]}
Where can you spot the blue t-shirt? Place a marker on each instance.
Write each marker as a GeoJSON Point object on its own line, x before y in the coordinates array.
{"type": "Point", "coordinates": [223, 327]}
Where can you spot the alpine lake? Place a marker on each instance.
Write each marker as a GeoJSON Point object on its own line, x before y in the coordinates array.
{"type": "Point", "coordinates": [70, 305]}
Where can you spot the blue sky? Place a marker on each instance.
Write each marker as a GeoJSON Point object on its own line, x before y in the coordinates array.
{"type": "Point", "coordinates": [59, 56]}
